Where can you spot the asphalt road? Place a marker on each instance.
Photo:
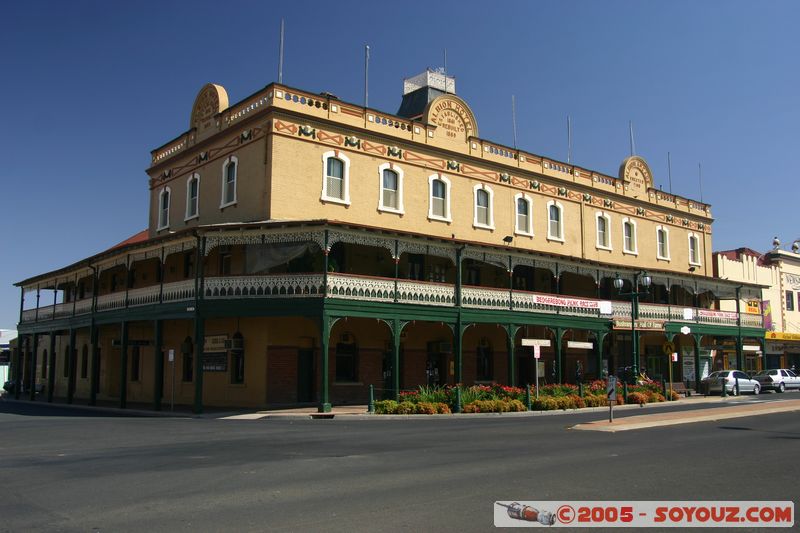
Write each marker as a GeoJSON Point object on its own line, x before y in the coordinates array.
{"type": "Point", "coordinates": [69, 470]}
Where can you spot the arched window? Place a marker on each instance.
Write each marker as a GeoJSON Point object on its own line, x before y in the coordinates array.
{"type": "Point", "coordinates": [163, 209]}
{"type": "Point", "coordinates": [391, 186]}
{"type": "Point", "coordinates": [230, 170]}
{"type": "Point", "coordinates": [523, 209]}
{"type": "Point", "coordinates": [694, 249]}
{"type": "Point", "coordinates": [193, 197]}
{"type": "Point", "coordinates": [555, 221]}
{"type": "Point", "coordinates": [603, 231]}
{"type": "Point", "coordinates": [483, 217]}
{"type": "Point", "coordinates": [335, 180]}
{"type": "Point", "coordinates": [439, 201]}
{"type": "Point", "coordinates": [662, 243]}
{"type": "Point", "coordinates": [629, 245]}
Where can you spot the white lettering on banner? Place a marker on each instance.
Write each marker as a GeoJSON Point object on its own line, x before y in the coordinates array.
{"type": "Point", "coordinates": [708, 313]}
{"type": "Point", "coordinates": [565, 302]}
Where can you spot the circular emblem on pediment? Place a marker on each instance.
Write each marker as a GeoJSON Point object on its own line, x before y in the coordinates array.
{"type": "Point", "coordinates": [636, 174]}
{"type": "Point", "coordinates": [452, 116]}
{"type": "Point", "coordinates": [210, 100]}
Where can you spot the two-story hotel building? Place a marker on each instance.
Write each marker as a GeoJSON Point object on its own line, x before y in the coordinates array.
{"type": "Point", "coordinates": [301, 248]}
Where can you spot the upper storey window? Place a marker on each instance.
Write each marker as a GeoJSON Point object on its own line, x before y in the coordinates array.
{"type": "Point", "coordinates": [603, 231]}
{"type": "Point", "coordinates": [439, 192]}
{"type": "Point", "coordinates": [192, 197]}
{"type": "Point", "coordinates": [555, 221]}
{"type": "Point", "coordinates": [662, 243]}
{"type": "Point", "coordinates": [523, 210]}
{"type": "Point", "coordinates": [391, 188]}
{"type": "Point", "coordinates": [483, 216]}
{"type": "Point", "coordinates": [335, 178]}
{"type": "Point", "coordinates": [694, 249]}
{"type": "Point", "coordinates": [629, 236]}
{"type": "Point", "coordinates": [230, 169]}
{"type": "Point", "coordinates": [163, 209]}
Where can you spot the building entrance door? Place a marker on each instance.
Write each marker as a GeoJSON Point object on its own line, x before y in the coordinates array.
{"type": "Point", "coordinates": [305, 375]}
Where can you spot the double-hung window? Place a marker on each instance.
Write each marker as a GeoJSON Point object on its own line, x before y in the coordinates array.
{"type": "Point", "coordinates": [230, 169]}
{"type": "Point", "coordinates": [335, 181]}
{"type": "Point", "coordinates": [192, 196]}
{"type": "Point", "coordinates": [603, 231]}
{"type": "Point", "coordinates": [694, 249]}
{"type": "Point", "coordinates": [555, 221]}
{"type": "Point", "coordinates": [662, 243]}
{"type": "Point", "coordinates": [483, 216]}
{"type": "Point", "coordinates": [439, 205]}
{"type": "Point", "coordinates": [391, 188]}
{"type": "Point", "coordinates": [163, 208]}
{"type": "Point", "coordinates": [522, 206]}
{"type": "Point", "coordinates": [629, 236]}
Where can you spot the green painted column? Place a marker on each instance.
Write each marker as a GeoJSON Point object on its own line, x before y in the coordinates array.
{"type": "Point", "coordinates": [457, 351]}
{"type": "Point", "coordinates": [51, 368]}
{"type": "Point", "coordinates": [558, 356]}
{"type": "Point", "coordinates": [94, 385]}
{"type": "Point", "coordinates": [158, 365]}
{"type": "Point", "coordinates": [71, 366]}
{"type": "Point", "coordinates": [123, 367]}
{"type": "Point", "coordinates": [325, 333]}
{"type": "Point", "coordinates": [16, 368]}
{"type": "Point", "coordinates": [511, 331]}
{"type": "Point", "coordinates": [199, 345]}
{"type": "Point", "coordinates": [696, 338]}
{"type": "Point", "coordinates": [397, 327]}
{"type": "Point", "coordinates": [32, 373]}
{"type": "Point", "coordinates": [600, 335]}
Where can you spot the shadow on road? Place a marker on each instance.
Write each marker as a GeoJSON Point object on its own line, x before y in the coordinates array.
{"type": "Point", "coordinates": [14, 407]}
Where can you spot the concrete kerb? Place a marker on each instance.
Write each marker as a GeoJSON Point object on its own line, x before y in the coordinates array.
{"type": "Point", "coordinates": [357, 413]}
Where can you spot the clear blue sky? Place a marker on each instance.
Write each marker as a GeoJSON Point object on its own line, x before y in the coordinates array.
{"type": "Point", "coordinates": [89, 88]}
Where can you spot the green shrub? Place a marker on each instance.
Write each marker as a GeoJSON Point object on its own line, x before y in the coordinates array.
{"type": "Point", "coordinates": [432, 394]}
{"type": "Point", "coordinates": [442, 408]}
{"type": "Point", "coordinates": [385, 407]}
{"type": "Point", "coordinates": [544, 403]}
{"type": "Point", "coordinates": [595, 400]}
{"type": "Point", "coordinates": [637, 397]}
{"type": "Point", "coordinates": [655, 397]}
{"type": "Point", "coordinates": [425, 408]}
{"type": "Point", "coordinates": [405, 408]}
{"type": "Point", "coordinates": [470, 408]}
{"type": "Point", "coordinates": [675, 396]}
{"type": "Point", "coordinates": [516, 406]}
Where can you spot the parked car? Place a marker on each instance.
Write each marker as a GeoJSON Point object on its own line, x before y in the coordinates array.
{"type": "Point", "coordinates": [777, 379]}
{"type": "Point", "coordinates": [713, 382]}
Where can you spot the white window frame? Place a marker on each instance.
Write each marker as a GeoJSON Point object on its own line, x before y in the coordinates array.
{"type": "Point", "coordinates": [447, 189]}
{"type": "Point", "coordinates": [196, 214]}
{"type": "Point", "coordinates": [345, 200]}
{"type": "Point", "coordinates": [528, 232]}
{"type": "Point", "coordinates": [399, 171]}
{"type": "Point", "coordinates": [163, 221]}
{"type": "Point", "coordinates": [666, 243]}
{"type": "Point", "coordinates": [635, 249]}
{"type": "Point", "coordinates": [696, 238]}
{"type": "Point", "coordinates": [607, 218]}
{"type": "Point", "coordinates": [560, 236]}
{"type": "Point", "coordinates": [490, 207]}
{"type": "Point", "coordinates": [232, 160]}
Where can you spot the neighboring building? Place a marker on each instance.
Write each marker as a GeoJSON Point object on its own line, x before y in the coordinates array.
{"type": "Point", "coordinates": [301, 248]}
{"type": "Point", "coordinates": [6, 338]}
{"type": "Point", "coordinates": [779, 271]}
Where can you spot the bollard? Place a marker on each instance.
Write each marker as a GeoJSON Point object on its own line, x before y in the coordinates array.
{"type": "Point", "coordinates": [664, 389]}
{"type": "Point", "coordinates": [528, 396]}
{"type": "Point", "coordinates": [580, 389]}
{"type": "Point", "coordinates": [724, 387]}
{"type": "Point", "coordinates": [458, 400]}
{"type": "Point", "coordinates": [371, 405]}
{"type": "Point", "coordinates": [625, 391]}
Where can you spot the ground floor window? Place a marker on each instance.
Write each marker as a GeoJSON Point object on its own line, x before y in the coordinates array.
{"type": "Point", "coordinates": [485, 366]}
{"type": "Point", "coordinates": [346, 362]}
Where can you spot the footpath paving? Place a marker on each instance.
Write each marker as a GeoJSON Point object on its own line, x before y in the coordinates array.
{"type": "Point", "coordinates": [688, 417]}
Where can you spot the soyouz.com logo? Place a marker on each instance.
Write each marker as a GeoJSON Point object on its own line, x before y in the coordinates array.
{"type": "Point", "coordinates": [658, 514]}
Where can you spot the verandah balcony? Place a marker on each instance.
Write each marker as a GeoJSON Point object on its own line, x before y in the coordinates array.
{"type": "Point", "coordinates": [390, 290]}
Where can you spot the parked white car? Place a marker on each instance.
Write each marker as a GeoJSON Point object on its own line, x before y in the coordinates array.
{"type": "Point", "coordinates": [714, 382]}
{"type": "Point", "coordinates": [778, 379]}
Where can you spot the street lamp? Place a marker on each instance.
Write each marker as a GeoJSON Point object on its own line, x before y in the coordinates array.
{"type": "Point", "coordinates": [634, 297]}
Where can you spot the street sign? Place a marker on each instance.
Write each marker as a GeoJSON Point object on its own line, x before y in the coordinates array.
{"type": "Point", "coordinates": [581, 345]}
{"type": "Point", "coordinates": [675, 357]}
{"type": "Point", "coordinates": [537, 352]}
{"type": "Point", "coordinates": [536, 342]}
{"type": "Point", "coordinates": [611, 388]}
{"type": "Point", "coordinates": [171, 356]}
{"type": "Point", "coordinates": [668, 348]}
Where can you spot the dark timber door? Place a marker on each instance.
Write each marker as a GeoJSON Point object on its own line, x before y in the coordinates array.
{"type": "Point", "coordinates": [305, 375]}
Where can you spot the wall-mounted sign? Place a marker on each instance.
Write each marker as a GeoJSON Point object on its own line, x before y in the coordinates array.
{"type": "Point", "coordinates": [536, 342]}
{"type": "Point", "coordinates": [580, 345]}
{"type": "Point", "coordinates": [710, 313]}
{"type": "Point", "coordinates": [753, 307]}
{"type": "Point", "coordinates": [215, 362]}
{"type": "Point", "coordinates": [214, 343]}
{"type": "Point", "coordinates": [559, 301]}
{"type": "Point", "coordinates": [641, 324]}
